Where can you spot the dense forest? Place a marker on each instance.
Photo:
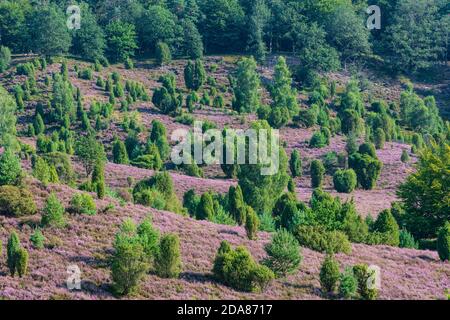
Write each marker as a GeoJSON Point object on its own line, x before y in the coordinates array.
{"type": "Point", "coordinates": [92, 92]}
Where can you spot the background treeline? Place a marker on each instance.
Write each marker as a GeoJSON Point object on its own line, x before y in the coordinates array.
{"type": "Point", "coordinates": [324, 34]}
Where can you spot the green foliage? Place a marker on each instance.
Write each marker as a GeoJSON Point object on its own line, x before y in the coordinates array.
{"type": "Point", "coordinates": [41, 170]}
{"type": "Point", "coordinates": [191, 202]}
{"type": "Point", "coordinates": [61, 162]}
{"type": "Point", "coordinates": [443, 242]}
{"type": "Point", "coordinates": [295, 164]}
{"type": "Point", "coordinates": [405, 156]}
{"type": "Point", "coordinates": [5, 58]}
{"type": "Point", "coordinates": [129, 262]}
{"type": "Point", "coordinates": [163, 55]}
{"type": "Point", "coordinates": [7, 120]}
{"type": "Point", "coordinates": [205, 209]}
{"type": "Point", "coordinates": [49, 34]}
{"type": "Point", "coordinates": [246, 90]}
{"type": "Point", "coordinates": [53, 212]}
{"type": "Point", "coordinates": [16, 202]}
{"type": "Point", "coordinates": [90, 152]}
{"type": "Point", "coordinates": [37, 239]}
{"type": "Point", "coordinates": [12, 248]}
{"type": "Point", "coordinates": [120, 40]}
{"type": "Point", "coordinates": [21, 262]}
{"type": "Point", "coordinates": [251, 223]}
{"type": "Point", "coordinates": [83, 203]}
{"type": "Point", "coordinates": [380, 138]}
{"type": "Point", "coordinates": [366, 167]}
{"type": "Point", "coordinates": [388, 227]}
{"type": "Point", "coordinates": [237, 269]}
{"type": "Point", "coordinates": [425, 193]}
{"type": "Point", "coordinates": [168, 260]}
{"type": "Point", "coordinates": [10, 168]}
{"type": "Point", "coordinates": [194, 75]}
{"type": "Point", "coordinates": [165, 97]}
{"type": "Point", "coordinates": [406, 240]}
{"type": "Point", "coordinates": [149, 238]}
{"type": "Point", "coordinates": [237, 205]}
{"type": "Point", "coordinates": [348, 284]}
{"type": "Point", "coordinates": [316, 238]}
{"type": "Point", "coordinates": [120, 154]}
{"type": "Point", "coordinates": [283, 253]}
{"type": "Point", "coordinates": [363, 274]}
{"type": "Point", "coordinates": [329, 274]}
{"type": "Point", "coordinates": [158, 136]}
{"type": "Point", "coordinates": [261, 190]}
{"type": "Point", "coordinates": [345, 180]}
{"type": "Point", "coordinates": [163, 184]}
{"type": "Point", "coordinates": [317, 172]}
{"type": "Point", "coordinates": [193, 44]}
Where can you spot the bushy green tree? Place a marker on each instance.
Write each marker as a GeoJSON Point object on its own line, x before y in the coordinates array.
{"type": "Point", "coordinates": [283, 253]}
{"type": "Point", "coordinates": [237, 205]}
{"type": "Point", "coordinates": [193, 44]}
{"type": "Point", "coordinates": [260, 188]}
{"type": "Point", "coordinates": [162, 53]}
{"type": "Point", "coordinates": [345, 180]}
{"type": "Point", "coordinates": [251, 223]}
{"type": "Point", "coordinates": [16, 202]}
{"type": "Point", "coordinates": [362, 274]}
{"type": "Point", "coordinates": [83, 203]}
{"type": "Point", "coordinates": [246, 91]}
{"type": "Point", "coordinates": [194, 75]}
{"type": "Point", "coordinates": [7, 120]}
{"type": "Point", "coordinates": [380, 138]}
{"type": "Point", "coordinates": [237, 269]}
{"type": "Point", "coordinates": [89, 41]}
{"type": "Point", "coordinates": [329, 274]}
{"type": "Point", "coordinates": [5, 58]}
{"type": "Point", "coordinates": [120, 154]}
{"type": "Point", "coordinates": [10, 168]}
{"type": "Point", "coordinates": [129, 263]}
{"type": "Point", "coordinates": [53, 212]}
{"type": "Point", "coordinates": [388, 227]}
{"type": "Point", "coordinates": [295, 164]}
{"type": "Point", "coordinates": [21, 262]}
{"type": "Point", "coordinates": [168, 259]}
{"type": "Point", "coordinates": [367, 169]}
{"type": "Point", "coordinates": [90, 152]}
{"type": "Point", "coordinates": [48, 31]}
{"type": "Point", "coordinates": [158, 136]}
{"type": "Point", "coordinates": [120, 40]}
{"type": "Point", "coordinates": [443, 242]}
{"type": "Point", "coordinates": [423, 192]}
{"type": "Point", "coordinates": [205, 209]}
{"type": "Point", "coordinates": [317, 171]}
{"type": "Point", "coordinates": [37, 239]}
{"type": "Point", "coordinates": [406, 240]}
{"type": "Point", "coordinates": [347, 284]}
{"type": "Point", "coordinates": [12, 248]}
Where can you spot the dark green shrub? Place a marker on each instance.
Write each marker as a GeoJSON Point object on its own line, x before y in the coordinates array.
{"type": "Point", "coordinates": [295, 164]}
{"type": "Point", "coordinates": [168, 259]}
{"type": "Point", "coordinates": [16, 202]}
{"type": "Point", "coordinates": [5, 58]}
{"type": "Point", "coordinates": [388, 227]}
{"type": "Point", "coordinates": [37, 239]}
{"type": "Point", "coordinates": [379, 138]}
{"type": "Point", "coordinates": [129, 262]}
{"type": "Point", "coordinates": [345, 180]}
{"type": "Point", "coordinates": [237, 269]}
{"type": "Point", "coordinates": [406, 240]}
{"type": "Point", "coordinates": [405, 156]}
{"type": "Point", "coordinates": [347, 284]}
{"type": "Point", "coordinates": [83, 203]}
{"type": "Point", "coordinates": [363, 276]}
{"type": "Point", "coordinates": [251, 223]}
{"type": "Point", "coordinates": [317, 172]}
{"type": "Point", "coordinates": [443, 242]}
{"type": "Point", "coordinates": [62, 164]}
{"type": "Point", "coordinates": [237, 205]}
{"type": "Point", "coordinates": [21, 262]}
{"type": "Point", "coordinates": [149, 238]}
{"type": "Point", "coordinates": [10, 168]}
{"type": "Point", "coordinates": [162, 53]}
{"type": "Point", "coordinates": [150, 198]}
{"type": "Point", "coordinates": [191, 202]}
{"type": "Point", "coordinates": [129, 64]}
{"type": "Point", "coordinates": [53, 212]}
{"type": "Point", "coordinates": [329, 274]}
{"type": "Point", "coordinates": [12, 248]}
{"type": "Point", "coordinates": [283, 253]}
{"type": "Point", "coordinates": [318, 239]}
{"type": "Point", "coordinates": [41, 170]}
{"type": "Point", "coordinates": [120, 154]}
{"type": "Point", "coordinates": [367, 169]}
{"type": "Point", "coordinates": [205, 209]}
{"type": "Point", "coordinates": [318, 140]}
